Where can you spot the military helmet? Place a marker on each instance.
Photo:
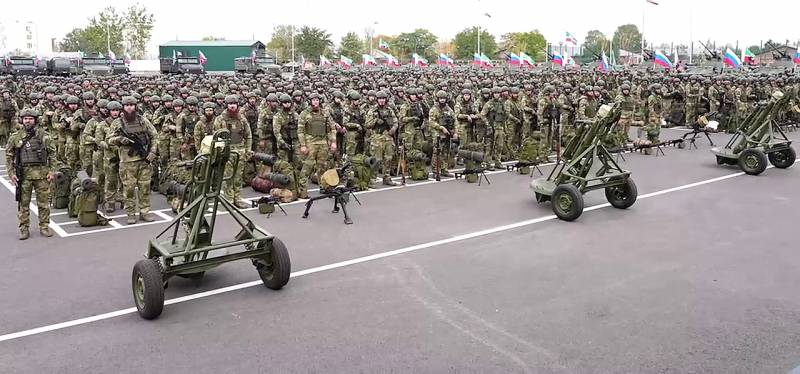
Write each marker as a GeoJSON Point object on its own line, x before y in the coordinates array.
{"type": "Point", "coordinates": [497, 90]}
{"type": "Point", "coordinates": [114, 105]}
{"type": "Point", "coordinates": [147, 93]}
{"type": "Point", "coordinates": [272, 97]}
{"type": "Point", "coordinates": [314, 96]}
{"type": "Point", "coordinates": [49, 89]}
{"type": "Point", "coordinates": [625, 86]}
{"type": "Point", "coordinates": [203, 94]}
{"type": "Point", "coordinates": [514, 90]}
{"type": "Point", "coordinates": [441, 94]}
{"type": "Point", "coordinates": [102, 103]}
{"type": "Point", "coordinates": [176, 102]}
{"type": "Point", "coordinates": [466, 92]}
{"type": "Point", "coordinates": [219, 96]}
{"type": "Point", "coordinates": [411, 91]}
{"type": "Point", "coordinates": [656, 87]}
{"type": "Point", "coordinates": [381, 94]}
{"type": "Point", "coordinates": [28, 112]}
{"type": "Point", "coordinates": [231, 99]}
{"type": "Point", "coordinates": [191, 100]}
{"type": "Point", "coordinates": [72, 99]}
{"type": "Point", "coordinates": [112, 90]}
{"type": "Point", "coordinates": [296, 93]}
{"type": "Point", "coordinates": [128, 100]}
{"type": "Point", "coordinates": [485, 91]}
{"type": "Point", "coordinates": [354, 95]}
{"type": "Point", "coordinates": [285, 98]}
{"type": "Point", "coordinates": [338, 94]}
{"type": "Point", "coordinates": [371, 93]}
{"type": "Point", "coordinates": [209, 105]}
{"type": "Point", "coordinates": [166, 98]}
{"type": "Point", "coordinates": [34, 96]}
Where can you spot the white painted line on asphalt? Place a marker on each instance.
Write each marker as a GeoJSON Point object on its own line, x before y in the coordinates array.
{"type": "Point", "coordinates": [162, 215]}
{"type": "Point", "coordinates": [377, 256]}
{"type": "Point", "coordinates": [114, 224]}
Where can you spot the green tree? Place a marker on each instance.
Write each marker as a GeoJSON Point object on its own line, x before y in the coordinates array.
{"type": "Point", "coordinates": [532, 43]}
{"type": "Point", "coordinates": [352, 46]}
{"type": "Point", "coordinates": [595, 42]}
{"type": "Point", "coordinates": [420, 41]}
{"type": "Point", "coordinates": [466, 43]}
{"type": "Point", "coordinates": [629, 38]}
{"type": "Point", "coordinates": [112, 30]}
{"type": "Point", "coordinates": [312, 42]}
{"type": "Point", "coordinates": [281, 42]}
{"type": "Point", "coordinates": [138, 29]}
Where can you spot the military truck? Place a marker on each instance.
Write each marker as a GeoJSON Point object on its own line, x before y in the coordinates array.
{"type": "Point", "coordinates": [119, 67]}
{"type": "Point", "coordinates": [181, 65]}
{"type": "Point", "coordinates": [63, 66]}
{"type": "Point", "coordinates": [19, 66]}
{"type": "Point", "coordinates": [96, 66]}
{"type": "Point", "coordinates": [261, 65]}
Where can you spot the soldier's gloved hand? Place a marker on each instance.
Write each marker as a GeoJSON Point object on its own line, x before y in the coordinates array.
{"type": "Point", "coordinates": [126, 141]}
{"type": "Point", "coordinates": [303, 150]}
{"type": "Point", "coordinates": [151, 156]}
{"type": "Point", "coordinates": [13, 180]}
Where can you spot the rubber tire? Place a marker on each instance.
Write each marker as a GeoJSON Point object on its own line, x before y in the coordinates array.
{"type": "Point", "coordinates": [787, 161]}
{"type": "Point", "coordinates": [630, 191]}
{"type": "Point", "coordinates": [150, 272]}
{"type": "Point", "coordinates": [278, 276]}
{"type": "Point", "coordinates": [575, 210]}
{"type": "Point", "coordinates": [753, 152]}
{"type": "Point", "coordinates": [721, 160]}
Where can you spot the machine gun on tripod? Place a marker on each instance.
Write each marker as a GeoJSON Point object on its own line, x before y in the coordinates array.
{"type": "Point", "coordinates": [330, 188]}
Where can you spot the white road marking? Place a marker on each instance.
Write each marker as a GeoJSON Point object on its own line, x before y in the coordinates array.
{"type": "Point", "coordinates": [377, 256]}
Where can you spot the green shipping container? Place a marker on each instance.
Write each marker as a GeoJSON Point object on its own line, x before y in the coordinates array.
{"type": "Point", "coordinates": [220, 53]}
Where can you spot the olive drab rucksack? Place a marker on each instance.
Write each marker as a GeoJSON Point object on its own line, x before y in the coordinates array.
{"type": "Point", "coordinates": [471, 164]}
{"type": "Point", "coordinates": [86, 197]}
{"type": "Point", "coordinates": [61, 190]}
{"type": "Point", "coordinates": [417, 160]}
{"type": "Point", "coordinates": [362, 172]}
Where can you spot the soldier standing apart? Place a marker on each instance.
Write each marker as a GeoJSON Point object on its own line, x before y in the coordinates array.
{"type": "Point", "coordinates": [8, 111]}
{"type": "Point", "coordinates": [31, 159]}
{"type": "Point", "coordinates": [494, 115]}
{"type": "Point", "coordinates": [109, 159]}
{"type": "Point", "coordinates": [136, 138]}
{"type": "Point", "coordinates": [241, 143]}
{"type": "Point", "coordinates": [383, 122]}
{"type": "Point", "coordinates": [316, 131]}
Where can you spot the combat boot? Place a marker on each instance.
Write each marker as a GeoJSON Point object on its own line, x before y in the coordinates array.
{"type": "Point", "coordinates": [498, 165]}
{"type": "Point", "coordinates": [24, 233]}
{"type": "Point", "coordinates": [131, 220]}
{"type": "Point", "coordinates": [110, 208]}
{"type": "Point", "coordinates": [445, 173]}
{"type": "Point", "coordinates": [387, 181]}
{"type": "Point", "coordinates": [45, 231]}
{"type": "Point", "coordinates": [147, 217]}
{"type": "Point", "coordinates": [241, 204]}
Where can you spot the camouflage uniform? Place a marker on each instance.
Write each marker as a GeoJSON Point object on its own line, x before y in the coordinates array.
{"type": "Point", "coordinates": [8, 115]}
{"type": "Point", "coordinates": [441, 121]}
{"type": "Point", "coordinates": [241, 142]}
{"type": "Point", "coordinates": [514, 124]}
{"type": "Point", "coordinates": [109, 161]}
{"type": "Point", "coordinates": [284, 126]}
{"type": "Point", "coordinates": [652, 127]}
{"type": "Point", "coordinates": [469, 124]}
{"type": "Point", "coordinates": [89, 146]}
{"type": "Point", "coordinates": [625, 118]}
{"type": "Point", "coordinates": [494, 115]}
{"type": "Point", "coordinates": [316, 132]}
{"type": "Point", "coordinates": [37, 154]}
{"type": "Point", "coordinates": [134, 169]}
{"type": "Point", "coordinates": [382, 120]}
{"type": "Point", "coordinates": [266, 138]}
{"type": "Point", "coordinates": [354, 119]}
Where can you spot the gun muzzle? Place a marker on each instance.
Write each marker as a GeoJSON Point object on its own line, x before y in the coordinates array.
{"type": "Point", "coordinates": [264, 158]}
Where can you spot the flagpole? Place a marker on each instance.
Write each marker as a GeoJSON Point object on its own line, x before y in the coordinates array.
{"type": "Point", "coordinates": [293, 62]}
{"type": "Point", "coordinates": [641, 53]}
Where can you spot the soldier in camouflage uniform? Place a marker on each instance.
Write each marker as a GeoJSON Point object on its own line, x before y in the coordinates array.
{"type": "Point", "coordinates": [567, 110]}
{"type": "Point", "coordinates": [71, 132]}
{"type": "Point", "coordinates": [412, 118]}
{"type": "Point", "coordinates": [354, 120]}
{"type": "Point", "coordinates": [336, 111]}
{"type": "Point", "coordinates": [185, 127]}
{"type": "Point", "coordinates": [266, 138]}
{"type": "Point", "coordinates": [31, 150]}
{"type": "Point", "coordinates": [284, 126]}
{"type": "Point", "coordinates": [204, 126]}
{"type": "Point", "coordinates": [626, 103]}
{"type": "Point", "coordinates": [441, 121]}
{"type": "Point", "coordinates": [653, 109]}
{"type": "Point", "coordinates": [694, 91]}
{"type": "Point", "coordinates": [514, 123]}
{"type": "Point", "coordinates": [94, 169]}
{"type": "Point", "coordinates": [134, 166]}
{"type": "Point", "coordinates": [316, 132]}
{"type": "Point", "coordinates": [109, 158]}
{"type": "Point", "coordinates": [469, 124]}
{"type": "Point", "coordinates": [494, 115]}
{"type": "Point", "coordinates": [382, 120]}
{"type": "Point", "coordinates": [241, 142]}
{"type": "Point", "coordinates": [8, 115]}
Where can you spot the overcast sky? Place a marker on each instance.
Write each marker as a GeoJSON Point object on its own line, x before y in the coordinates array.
{"type": "Point", "coordinates": [670, 21]}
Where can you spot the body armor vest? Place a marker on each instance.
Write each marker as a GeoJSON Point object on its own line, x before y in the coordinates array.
{"type": "Point", "coordinates": [337, 113]}
{"type": "Point", "coordinates": [7, 109]}
{"type": "Point", "coordinates": [190, 120]}
{"type": "Point", "coordinates": [498, 112]}
{"type": "Point", "coordinates": [234, 125]}
{"type": "Point", "coordinates": [627, 104]}
{"type": "Point", "coordinates": [33, 151]}
{"type": "Point", "coordinates": [289, 129]}
{"type": "Point", "coordinates": [383, 113]}
{"type": "Point", "coordinates": [316, 126]}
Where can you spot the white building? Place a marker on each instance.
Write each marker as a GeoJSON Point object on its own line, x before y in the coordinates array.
{"type": "Point", "coordinates": [19, 37]}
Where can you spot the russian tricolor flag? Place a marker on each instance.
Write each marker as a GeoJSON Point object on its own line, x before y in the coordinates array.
{"type": "Point", "coordinates": [663, 60]}
{"type": "Point", "coordinates": [604, 63]}
{"type": "Point", "coordinates": [514, 59]}
{"type": "Point", "coordinates": [557, 59]}
{"type": "Point", "coordinates": [731, 59]}
{"type": "Point", "coordinates": [797, 57]}
{"type": "Point", "coordinates": [444, 60]}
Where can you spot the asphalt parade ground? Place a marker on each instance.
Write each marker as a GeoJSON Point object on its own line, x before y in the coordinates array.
{"type": "Point", "coordinates": [700, 275]}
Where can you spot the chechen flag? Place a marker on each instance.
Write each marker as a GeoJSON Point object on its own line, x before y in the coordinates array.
{"type": "Point", "coordinates": [526, 60]}
{"type": "Point", "coordinates": [323, 61]}
{"type": "Point", "coordinates": [571, 39]}
{"type": "Point", "coordinates": [419, 60]}
{"type": "Point", "coordinates": [368, 60]}
{"type": "Point", "coordinates": [201, 57]}
{"type": "Point", "coordinates": [382, 44]}
{"type": "Point", "coordinates": [127, 59]}
{"type": "Point", "coordinates": [112, 56]}
{"type": "Point", "coordinates": [346, 62]}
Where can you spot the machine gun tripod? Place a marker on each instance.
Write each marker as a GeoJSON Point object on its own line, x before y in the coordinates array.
{"type": "Point", "coordinates": [691, 137]}
{"type": "Point", "coordinates": [266, 205]}
{"type": "Point", "coordinates": [330, 189]}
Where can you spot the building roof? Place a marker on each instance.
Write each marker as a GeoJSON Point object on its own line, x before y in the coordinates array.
{"type": "Point", "coordinates": [212, 43]}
